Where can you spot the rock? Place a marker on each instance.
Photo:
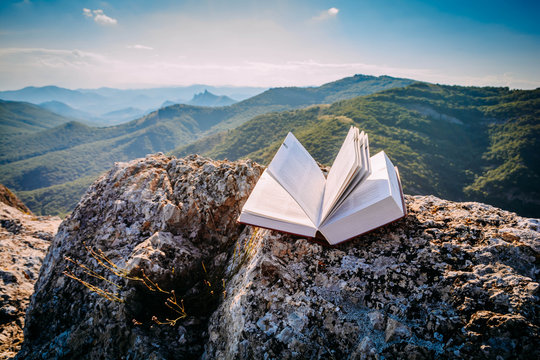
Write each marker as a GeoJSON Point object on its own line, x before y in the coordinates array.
{"type": "Point", "coordinates": [24, 240]}
{"type": "Point", "coordinates": [398, 290]}
{"type": "Point", "coordinates": [143, 230]}
{"type": "Point", "coordinates": [396, 330]}
{"type": "Point", "coordinates": [365, 350]}
{"type": "Point", "coordinates": [10, 199]}
{"type": "Point", "coordinates": [376, 319]}
{"type": "Point", "coordinates": [451, 280]}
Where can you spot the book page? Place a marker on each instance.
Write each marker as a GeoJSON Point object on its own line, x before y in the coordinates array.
{"type": "Point", "coordinates": [268, 199]}
{"type": "Point", "coordinates": [375, 188]}
{"type": "Point", "coordinates": [358, 178]}
{"type": "Point", "coordinates": [273, 224]}
{"type": "Point", "coordinates": [342, 171]}
{"type": "Point", "coordinates": [375, 202]}
{"type": "Point", "coordinates": [351, 181]}
{"type": "Point", "coordinates": [378, 214]}
{"type": "Point", "coordinates": [366, 154]}
{"type": "Point", "coordinates": [298, 173]}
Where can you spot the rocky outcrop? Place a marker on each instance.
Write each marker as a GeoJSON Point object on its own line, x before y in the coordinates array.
{"type": "Point", "coordinates": [10, 199]}
{"type": "Point", "coordinates": [451, 280]}
{"type": "Point", "coordinates": [24, 240]}
{"type": "Point", "coordinates": [173, 220]}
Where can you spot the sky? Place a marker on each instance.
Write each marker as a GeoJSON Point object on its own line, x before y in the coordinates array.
{"type": "Point", "coordinates": [140, 43]}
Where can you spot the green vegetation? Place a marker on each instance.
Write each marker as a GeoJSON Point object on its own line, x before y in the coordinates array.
{"type": "Point", "coordinates": [20, 117]}
{"type": "Point", "coordinates": [38, 165]}
{"type": "Point", "coordinates": [460, 143]}
{"type": "Point", "coordinates": [16, 148]}
{"type": "Point", "coordinates": [513, 158]}
{"type": "Point", "coordinates": [56, 199]}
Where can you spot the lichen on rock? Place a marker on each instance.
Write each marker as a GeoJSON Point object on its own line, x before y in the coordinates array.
{"type": "Point", "coordinates": [448, 281]}
{"type": "Point", "coordinates": [451, 280]}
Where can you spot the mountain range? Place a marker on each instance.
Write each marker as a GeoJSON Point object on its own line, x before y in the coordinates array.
{"type": "Point", "coordinates": [114, 117]}
{"type": "Point", "coordinates": [50, 169]}
{"type": "Point", "coordinates": [108, 106]}
{"type": "Point", "coordinates": [20, 117]}
{"type": "Point", "coordinates": [461, 143]}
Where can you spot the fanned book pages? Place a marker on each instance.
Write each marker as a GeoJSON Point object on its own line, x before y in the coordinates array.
{"type": "Point", "coordinates": [359, 194]}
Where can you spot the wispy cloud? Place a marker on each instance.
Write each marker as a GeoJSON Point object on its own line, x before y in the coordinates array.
{"type": "Point", "coordinates": [140, 47]}
{"type": "Point", "coordinates": [326, 14]}
{"type": "Point", "coordinates": [349, 66]}
{"type": "Point", "coordinates": [99, 17]}
{"type": "Point", "coordinates": [73, 67]}
{"type": "Point", "coordinates": [50, 58]}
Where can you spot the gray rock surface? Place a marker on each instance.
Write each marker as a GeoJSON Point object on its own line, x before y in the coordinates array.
{"type": "Point", "coordinates": [173, 220]}
{"type": "Point", "coordinates": [451, 280]}
{"type": "Point", "coordinates": [24, 240]}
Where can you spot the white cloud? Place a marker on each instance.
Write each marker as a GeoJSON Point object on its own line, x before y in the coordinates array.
{"type": "Point", "coordinates": [326, 14]}
{"type": "Point", "coordinates": [99, 17]}
{"type": "Point", "coordinates": [333, 11]}
{"type": "Point", "coordinates": [140, 47]}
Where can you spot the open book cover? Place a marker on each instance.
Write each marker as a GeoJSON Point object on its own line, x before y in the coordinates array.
{"type": "Point", "coordinates": [359, 194]}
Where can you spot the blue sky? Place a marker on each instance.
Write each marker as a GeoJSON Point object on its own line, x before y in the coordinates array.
{"type": "Point", "coordinates": [136, 43]}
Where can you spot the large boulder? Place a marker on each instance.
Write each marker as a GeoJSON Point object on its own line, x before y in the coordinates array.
{"type": "Point", "coordinates": [451, 280]}
{"type": "Point", "coordinates": [171, 222]}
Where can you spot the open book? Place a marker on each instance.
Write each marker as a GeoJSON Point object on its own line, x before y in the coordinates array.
{"type": "Point", "coordinates": [359, 194]}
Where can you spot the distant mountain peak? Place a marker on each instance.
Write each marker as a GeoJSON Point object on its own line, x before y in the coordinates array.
{"type": "Point", "coordinates": [206, 98]}
{"type": "Point", "coordinates": [206, 94]}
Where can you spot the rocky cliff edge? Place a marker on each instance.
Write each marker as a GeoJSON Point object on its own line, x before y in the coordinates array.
{"type": "Point", "coordinates": [24, 239]}
{"type": "Point", "coordinates": [152, 265]}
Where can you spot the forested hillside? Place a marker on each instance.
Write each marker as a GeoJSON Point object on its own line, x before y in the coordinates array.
{"type": "Point", "coordinates": [461, 143]}
{"type": "Point", "coordinates": [55, 161]}
{"type": "Point", "coordinates": [21, 117]}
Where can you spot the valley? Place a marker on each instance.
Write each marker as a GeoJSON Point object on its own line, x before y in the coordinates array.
{"type": "Point", "coordinates": [54, 161]}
